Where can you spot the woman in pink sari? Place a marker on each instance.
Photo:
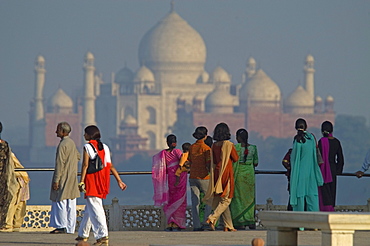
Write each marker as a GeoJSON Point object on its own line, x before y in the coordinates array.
{"type": "Point", "coordinates": [166, 194]}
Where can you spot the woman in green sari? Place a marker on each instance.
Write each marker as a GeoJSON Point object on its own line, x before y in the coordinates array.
{"type": "Point", "coordinates": [243, 204]}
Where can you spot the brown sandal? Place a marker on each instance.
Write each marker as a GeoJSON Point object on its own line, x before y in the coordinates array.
{"type": "Point", "coordinates": [211, 225]}
{"type": "Point", "coordinates": [228, 229]}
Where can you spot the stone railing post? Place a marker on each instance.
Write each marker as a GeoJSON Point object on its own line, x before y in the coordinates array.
{"type": "Point", "coordinates": [269, 203]}
{"type": "Point", "coordinates": [115, 216]}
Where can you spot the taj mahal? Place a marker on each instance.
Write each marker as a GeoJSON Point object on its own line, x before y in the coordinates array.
{"type": "Point", "coordinates": [136, 109]}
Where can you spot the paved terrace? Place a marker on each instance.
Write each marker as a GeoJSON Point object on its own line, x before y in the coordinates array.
{"type": "Point", "coordinates": [156, 238]}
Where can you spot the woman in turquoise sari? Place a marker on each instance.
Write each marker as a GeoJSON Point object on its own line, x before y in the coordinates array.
{"type": "Point", "coordinates": [305, 177]}
{"type": "Point", "coordinates": [243, 204]}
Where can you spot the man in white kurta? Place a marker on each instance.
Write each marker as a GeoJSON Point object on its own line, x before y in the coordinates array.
{"type": "Point", "coordinates": [64, 186]}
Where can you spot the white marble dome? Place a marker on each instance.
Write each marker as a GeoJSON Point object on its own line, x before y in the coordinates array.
{"type": "Point", "coordinates": [129, 120]}
{"type": "Point", "coordinates": [220, 101]}
{"type": "Point", "coordinates": [260, 88]}
{"type": "Point", "coordinates": [60, 100]}
{"type": "Point", "coordinates": [172, 40]}
{"type": "Point", "coordinates": [309, 58]}
{"type": "Point", "coordinates": [144, 74]}
{"type": "Point", "coordinates": [220, 75]}
{"type": "Point", "coordinates": [40, 59]}
{"type": "Point", "coordinates": [89, 56]}
{"type": "Point", "coordinates": [299, 98]}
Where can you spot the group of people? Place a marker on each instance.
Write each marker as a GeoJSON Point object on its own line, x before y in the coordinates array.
{"type": "Point", "coordinates": [313, 167]}
{"type": "Point", "coordinates": [225, 174]}
{"type": "Point", "coordinates": [218, 169]}
{"type": "Point", "coordinates": [95, 185]}
{"type": "Point", "coordinates": [221, 178]}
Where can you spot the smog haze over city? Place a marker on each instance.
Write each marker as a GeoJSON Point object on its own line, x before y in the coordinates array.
{"type": "Point", "coordinates": [277, 34]}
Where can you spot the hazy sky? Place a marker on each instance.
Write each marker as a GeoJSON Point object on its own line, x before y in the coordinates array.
{"type": "Point", "coordinates": [278, 34]}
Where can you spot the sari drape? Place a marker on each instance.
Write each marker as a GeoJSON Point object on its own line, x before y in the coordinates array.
{"type": "Point", "coordinates": [8, 182]}
{"type": "Point", "coordinates": [243, 204]}
{"type": "Point", "coordinates": [305, 173]}
{"type": "Point", "coordinates": [166, 194]}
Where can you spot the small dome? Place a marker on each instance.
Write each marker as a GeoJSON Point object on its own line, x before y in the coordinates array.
{"type": "Point", "coordinates": [129, 120]}
{"type": "Point", "coordinates": [318, 99]}
{"type": "Point", "coordinates": [89, 56]}
{"type": "Point", "coordinates": [144, 74]}
{"type": "Point", "coordinates": [220, 101]}
{"type": "Point", "coordinates": [299, 98]}
{"type": "Point", "coordinates": [60, 100]}
{"type": "Point", "coordinates": [220, 75]}
{"type": "Point", "coordinates": [251, 61]}
{"type": "Point", "coordinates": [125, 75]}
{"type": "Point", "coordinates": [309, 58]}
{"type": "Point", "coordinates": [261, 88]}
{"type": "Point", "coordinates": [329, 99]}
{"type": "Point", "coordinates": [40, 59]}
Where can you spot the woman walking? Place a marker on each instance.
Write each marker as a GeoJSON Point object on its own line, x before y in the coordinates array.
{"type": "Point", "coordinates": [221, 186]}
{"type": "Point", "coordinates": [96, 187]}
{"type": "Point", "coordinates": [305, 171]}
{"type": "Point", "coordinates": [166, 194]}
{"type": "Point", "coordinates": [332, 155]}
{"type": "Point", "coordinates": [242, 206]}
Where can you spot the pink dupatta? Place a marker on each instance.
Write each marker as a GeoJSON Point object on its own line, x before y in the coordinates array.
{"type": "Point", "coordinates": [159, 178]}
{"type": "Point", "coordinates": [325, 167]}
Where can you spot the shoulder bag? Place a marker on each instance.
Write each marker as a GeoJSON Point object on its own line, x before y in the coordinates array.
{"type": "Point", "coordinates": [96, 164]}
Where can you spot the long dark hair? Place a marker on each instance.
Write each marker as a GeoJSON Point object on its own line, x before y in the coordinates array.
{"type": "Point", "coordinates": [300, 126]}
{"type": "Point", "coordinates": [171, 141]}
{"type": "Point", "coordinates": [209, 141]}
{"type": "Point", "coordinates": [326, 128]}
{"type": "Point", "coordinates": [221, 132]}
{"type": "Point", "coordinates": [94, 133]}
{"type": "Point", "coordinates": [242, 134]}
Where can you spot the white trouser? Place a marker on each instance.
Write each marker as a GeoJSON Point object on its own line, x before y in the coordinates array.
{"type": "Point", "coordinates": [94, 217]}
{"type": "Point", "coordinates": [63, 215]}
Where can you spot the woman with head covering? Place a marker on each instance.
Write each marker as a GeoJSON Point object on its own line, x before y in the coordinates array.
{"type": "Point", "coordinates": [305, 171]}
{"type": "Point", "coordinates": [332, 155]}
{"type": "Point", "coordinates": [243, 204]}
{"type": "Point", "coordinates": [172, 197]}
{"type": "Point", "coordinates": [221, 187]}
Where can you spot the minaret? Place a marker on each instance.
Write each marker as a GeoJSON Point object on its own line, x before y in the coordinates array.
{"type": "Point", "coordinates": [88, 117]}
{"type": "Point", "coordinates": [38, 117]}
{"type": "Point", "coordinates": [250, 70]}
{"type": "Point", "coordinates": [309, 76]}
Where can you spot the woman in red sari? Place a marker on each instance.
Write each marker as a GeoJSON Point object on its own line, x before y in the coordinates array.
{"type": "Point", "coordinates": [221, 187]}
{"type": "Point", "coordinates": [166, 194]}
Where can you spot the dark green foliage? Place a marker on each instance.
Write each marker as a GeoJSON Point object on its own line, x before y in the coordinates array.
{"type": "Point", "coordinates": [354, 136]}
{"type": "Point", "coordinates": [270, 151]}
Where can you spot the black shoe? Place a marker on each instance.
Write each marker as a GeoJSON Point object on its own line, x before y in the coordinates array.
{"type": "Point", "coordinates": [252, 227]}
{"type": "Point", "coordinates": [176, 229]}
{"type": "Point", "coordinates": [198, 229]}
{"type": "Point", "coordinates": [59, 231]}
{"type": "Point", "coordinates": [168, 229]}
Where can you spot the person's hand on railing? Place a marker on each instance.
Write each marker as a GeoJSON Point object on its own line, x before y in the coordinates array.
{"type": "Point", "coordinates": [359, 174]}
